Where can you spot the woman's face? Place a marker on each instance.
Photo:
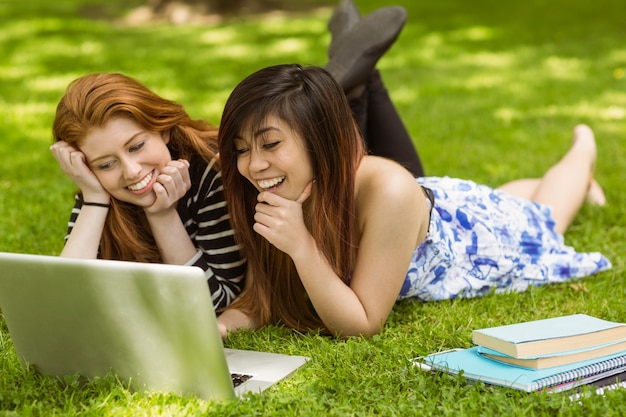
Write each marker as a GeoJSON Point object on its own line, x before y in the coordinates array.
{"type": "Point", "coordinates": [126, 158]}
{"type": "Point", "coordinates": [273, 158]}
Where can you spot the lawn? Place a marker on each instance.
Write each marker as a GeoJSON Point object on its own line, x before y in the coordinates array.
{"type": "Point", "coordinates": [489, 90]}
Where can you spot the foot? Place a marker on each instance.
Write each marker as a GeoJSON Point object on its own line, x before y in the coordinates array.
{"type": "Point", "coordinates": [343, 19]}
{"type": "Point", "coordinates": [584, 139]}
{"type": "Point", "coordinates": [358, 50]}
{"type": "Point", "coordinates": [595, 194]}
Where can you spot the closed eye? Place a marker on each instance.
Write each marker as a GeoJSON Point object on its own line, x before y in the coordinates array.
{"type": "Point", "coordinates": [106, 165]}
{"type": "Point", "coordinates": [241, 151]}
{"type": "Point", "coordinates": [136, 147]}
{"type": "Point", "coordinates": [270, 145]}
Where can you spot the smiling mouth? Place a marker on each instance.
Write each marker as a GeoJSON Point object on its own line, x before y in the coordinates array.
{"type": "Point", "coordinates": [141, 184]}
{"type": "Point", "coordinates": [270, 183]}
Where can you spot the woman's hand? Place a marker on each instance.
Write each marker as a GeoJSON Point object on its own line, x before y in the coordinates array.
{"type": "Point", "coordinates": [232, 320]}
{"type": "Point", "coordinates": [171, 185]}
{"type": "Point", "coordinates": [280, 220]}
{"type": "Point", "coordinates": [223, 330]}
{"type": "Point", "coordinates": [74, 164]}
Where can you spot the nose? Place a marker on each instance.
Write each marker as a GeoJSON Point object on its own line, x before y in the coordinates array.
{"type": "Point", "coordinates": [257, 161]}
{"type": "Point", "coordinates": [131, 169]}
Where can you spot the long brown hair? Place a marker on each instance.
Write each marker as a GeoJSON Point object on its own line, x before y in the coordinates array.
{"type": "Point", "coordinates": [90, 102]}
{"type": "Point", "coordinates": [314, 105]}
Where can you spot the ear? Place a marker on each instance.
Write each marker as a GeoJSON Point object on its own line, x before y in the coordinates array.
{"type": "Point", "coordinates": [166, 136]}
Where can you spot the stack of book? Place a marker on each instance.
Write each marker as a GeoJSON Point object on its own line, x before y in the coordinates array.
{"type": "Point", "coordinates": [553, 354]}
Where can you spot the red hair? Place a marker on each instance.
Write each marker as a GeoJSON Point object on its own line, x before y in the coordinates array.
{"type": "Point", "coordinates": [91, 101]}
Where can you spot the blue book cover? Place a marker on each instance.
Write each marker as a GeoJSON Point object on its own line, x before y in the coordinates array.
{"type": "Point", "coordinates": [478, 368]}
{"type": "Point", "coordinates": [617, 346]}
{"type": "Point", "coordinates": [549, 336]}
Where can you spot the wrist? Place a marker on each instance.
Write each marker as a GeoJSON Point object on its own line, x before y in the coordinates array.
{"type": "Point", "coordinates": [161, 213]}
{"type": "Point", "coordinates": [94, 204]}
{"type": "Point", "coordinates": [96, 199]}
{"type": "Point", "coordinates": [303, 251]}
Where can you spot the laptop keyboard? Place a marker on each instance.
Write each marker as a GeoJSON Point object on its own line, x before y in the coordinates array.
{"type": "Point", "coordinates": [239, 379]}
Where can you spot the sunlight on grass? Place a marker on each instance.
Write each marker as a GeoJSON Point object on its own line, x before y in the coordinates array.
{"type": "Point", "coordinates": [235, 51]}
{"type": "Point", "coordinates": [404, 95]}
{"type": "Point", "coordinates": [213, 109]}
{"type": "Point", "coordinates": [277, 47]}
{"type": "Point", "coordinates": [583, 110]}
{"type": "Point", "coordinates": [23, 112]}
{"type": "Point", "coordinates": [285, 26]}
{"type": "Point", "coordinates": [51, 83]}
{"type": "Point", "coordinates": [618, 56]}
{"type": "Point", "coordinates": [17, 72]}
{"type": "Point", "coordinates": [485, 80]}
{"type": "Point", "coordinates": [289, 45]}
{"type": "Point", "coordinates": [428, 46]}
{"type": "Point", "coordinates": [507, 114]}
{"type": "Point", "coordinates": [24, 123]}
{"type": "Point", "coordinates": [473, 34]}
{"type": "Point", "coordinates": [13, 30]}
{"type": "Point", "coordinates": [488, 60]}
{"type": "Point", "coordinates": [219, 36]}
{"type": "Point", "coordinates": [572, 69]}
{"type": "Point", "coordinates": [488, 90]}
{"type": "Point", "coordinates": [613, 113]}
{"type": "Point", "coordinates": [59, 47]}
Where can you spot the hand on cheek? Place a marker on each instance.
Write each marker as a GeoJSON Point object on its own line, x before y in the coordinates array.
{"type": "Point", "coordinates": [171, 185]}
{"type": "Point", "coordinates": [73, 162]}
{"type": "Point", "coordinates": [280, 220]}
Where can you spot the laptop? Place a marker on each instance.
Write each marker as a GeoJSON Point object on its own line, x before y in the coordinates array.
{"type": "Point", "coordinates": [151, 325]}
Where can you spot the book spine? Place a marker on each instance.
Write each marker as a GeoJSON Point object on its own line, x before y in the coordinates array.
{"type": "Point", "coordinates": [578, 373]}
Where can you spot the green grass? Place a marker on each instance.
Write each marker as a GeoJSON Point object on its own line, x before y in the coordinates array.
{"type": "Point", "coordinates": [489, 90]}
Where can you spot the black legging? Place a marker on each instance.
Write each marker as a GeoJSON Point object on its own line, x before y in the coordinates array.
{"type": "Point", "coordinates": [381, 126]}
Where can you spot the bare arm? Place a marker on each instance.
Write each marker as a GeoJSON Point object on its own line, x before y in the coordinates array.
{"type": "Point", "coordinates": [233, 319]}
{"type": "Point", "coordinates": [168, 230]}
{"type": "Point", "coordinates": [84, 239]}
{"type": "Point", "coordinates": [197, 231]}
{"type": "Point", "coordinates": [393, 218]}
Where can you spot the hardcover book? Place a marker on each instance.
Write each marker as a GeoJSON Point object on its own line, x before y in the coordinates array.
{"type": "Point", "coordinates": [551, 360]}
{"type": "Point", "coordinates": [550, 336]}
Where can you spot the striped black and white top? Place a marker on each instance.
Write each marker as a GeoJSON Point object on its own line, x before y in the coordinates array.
{"type": "Point", "coordinates": [205, 216]}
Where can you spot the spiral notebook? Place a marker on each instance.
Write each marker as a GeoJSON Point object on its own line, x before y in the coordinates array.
{"type": "Point", "coordinates": [476, 367]}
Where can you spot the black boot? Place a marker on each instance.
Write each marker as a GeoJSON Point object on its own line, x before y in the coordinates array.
{"type": "Point", "coordinates": [344, 17]}
{"type": "Point", "coordinates": [356, 52]}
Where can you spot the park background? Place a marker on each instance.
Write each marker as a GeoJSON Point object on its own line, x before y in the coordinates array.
{"type": "Point", "coordinates": [489, 91]}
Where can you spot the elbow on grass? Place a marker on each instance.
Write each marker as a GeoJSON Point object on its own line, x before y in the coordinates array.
{"type": "Point", "coordinates": [365, 332]}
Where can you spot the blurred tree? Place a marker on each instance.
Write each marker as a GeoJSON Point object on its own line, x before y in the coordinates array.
{"type": "Point", "coordinates": [185, 11]}
{"type": "Point", "coordinates": [236, 6]}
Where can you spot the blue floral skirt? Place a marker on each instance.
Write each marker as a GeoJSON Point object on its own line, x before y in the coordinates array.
{"type": "Point", "coordinates": [481, 239]}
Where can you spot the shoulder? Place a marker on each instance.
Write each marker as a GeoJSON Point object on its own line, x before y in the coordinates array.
{"type": "Point", "coordinates": [392, 208]}
{"type": "Point", "coordinates": [378, 176]}
{"type": "Point", "coordinates": [205, 175]}
{"type": "Point", "coordinates": [207, 191]}
{"type": "Point", "coordinates": [385, 187]}
{"type": "Point", "coordinates": [199, 167]}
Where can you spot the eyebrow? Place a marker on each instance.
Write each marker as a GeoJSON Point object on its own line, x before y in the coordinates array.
{"type": "Point", "coordinates": [259, 132]}
{"type": "Point", "coordinates": [91, 162]}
